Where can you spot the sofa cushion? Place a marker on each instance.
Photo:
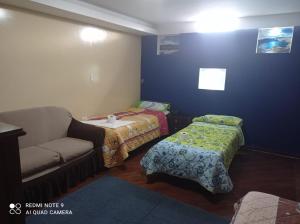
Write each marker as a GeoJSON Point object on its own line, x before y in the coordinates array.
{"type": "Point", "coordinates": [35, 159]}
{"type": "Point", "coordinates": [68, 148]}
{"type": "Point", "coordinates": [41, 124]}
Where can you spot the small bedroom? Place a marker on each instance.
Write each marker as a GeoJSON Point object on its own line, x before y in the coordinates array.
{"type": "Point", "coordinates": [149, 112]}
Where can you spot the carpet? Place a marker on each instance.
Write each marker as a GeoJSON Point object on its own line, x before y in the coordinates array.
{"type": "Point", "coordinates": [110, 200]}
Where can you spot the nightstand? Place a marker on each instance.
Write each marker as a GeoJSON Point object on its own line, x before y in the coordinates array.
{"type": "Point", "coordinates": [178, 122]}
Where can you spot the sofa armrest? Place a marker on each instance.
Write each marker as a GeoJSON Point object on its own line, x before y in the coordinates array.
{"type": "Point", "coordinates": [86, 132]}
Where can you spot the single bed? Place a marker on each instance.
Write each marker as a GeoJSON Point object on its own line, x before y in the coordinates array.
{"type": "Point", "coordinates": [201, 152]}
{"type": "Point", "coordinates": [262, 208]}
{"type": "Point", "coordinates": [145, 125]}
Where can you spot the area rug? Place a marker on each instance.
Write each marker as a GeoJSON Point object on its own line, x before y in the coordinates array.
{"type": "Point", "coordinates": [110, 200]}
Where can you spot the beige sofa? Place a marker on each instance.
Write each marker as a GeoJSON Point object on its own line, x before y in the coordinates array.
{"type": "Point", "coordinates": [56, 150]}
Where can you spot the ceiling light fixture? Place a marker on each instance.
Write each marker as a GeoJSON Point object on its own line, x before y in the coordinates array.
{"type": "Point", "coordinates": [217, 21]}
{"type": "Point", "coordinates": [92, 35]}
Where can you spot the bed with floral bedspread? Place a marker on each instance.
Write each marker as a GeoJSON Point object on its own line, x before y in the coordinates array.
{"type": "Point", "coordinates": [203, 155]}
{"type": "Point", "coordinates": [118, 142]}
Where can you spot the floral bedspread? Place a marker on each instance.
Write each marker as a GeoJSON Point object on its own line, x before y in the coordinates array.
{"type": "Point", "coordinates": [203, 155]}
{"type": "Point", "coordinates": [120, 141]}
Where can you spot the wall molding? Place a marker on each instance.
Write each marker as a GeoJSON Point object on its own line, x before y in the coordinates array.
{"type": "Point", "coordinates": [87, 13]}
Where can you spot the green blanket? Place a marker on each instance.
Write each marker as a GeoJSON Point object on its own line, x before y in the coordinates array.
{"type": "Point", "coordinates": [223, 139]}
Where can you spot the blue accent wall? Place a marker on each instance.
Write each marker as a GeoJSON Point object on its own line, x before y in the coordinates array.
{"type": "Point", "coordinates": [263, 89]}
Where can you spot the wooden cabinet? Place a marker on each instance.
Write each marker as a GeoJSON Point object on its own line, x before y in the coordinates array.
{"type": "Point", "coordinates": [178, 122]}
{"type": "Point", "coordinates": [10, 174]}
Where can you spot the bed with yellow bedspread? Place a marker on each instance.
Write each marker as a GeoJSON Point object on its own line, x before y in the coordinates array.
{"type": "Point", "coordinates": [120, 141]}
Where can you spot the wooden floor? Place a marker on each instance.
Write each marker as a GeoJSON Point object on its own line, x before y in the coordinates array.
{"type": "Point", "coordinates": [250, 171]}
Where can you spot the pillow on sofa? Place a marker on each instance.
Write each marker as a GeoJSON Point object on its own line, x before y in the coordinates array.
{"type": "Point", "coordinates": [154, 105]}
{"type": "Point", "coordinates": [220, 119]}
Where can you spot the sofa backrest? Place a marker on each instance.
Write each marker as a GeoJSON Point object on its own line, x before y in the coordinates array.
{"type": "Point", "coordinates": [41, 124]}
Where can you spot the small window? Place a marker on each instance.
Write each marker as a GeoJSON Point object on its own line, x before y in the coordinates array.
{"type": "Point", "coordinates": [212, 78]}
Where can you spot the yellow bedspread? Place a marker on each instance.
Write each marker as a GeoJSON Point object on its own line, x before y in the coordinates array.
{"type": "Point", "coordinates": [118, 142]}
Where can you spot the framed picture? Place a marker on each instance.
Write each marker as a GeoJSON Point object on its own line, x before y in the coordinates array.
{"type": "Point", "coordinates": [167, 44]}
{"type": "Point", "coordinates": [274, 40]}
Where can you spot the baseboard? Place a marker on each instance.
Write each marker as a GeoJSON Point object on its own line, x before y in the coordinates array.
{"type": "Point", "coordinates": [268, 151]}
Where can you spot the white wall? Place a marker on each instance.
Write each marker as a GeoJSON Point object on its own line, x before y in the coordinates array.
{"type": "Point", "coordinates": [44, 62]}
{"type": "Point", "coordinates": [291, 19]}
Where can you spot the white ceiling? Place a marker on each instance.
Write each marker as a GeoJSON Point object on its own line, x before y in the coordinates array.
{"type": "Point", "coordinates": [164, 16]}
{"type": "Point", "coordinates": [170, 11]}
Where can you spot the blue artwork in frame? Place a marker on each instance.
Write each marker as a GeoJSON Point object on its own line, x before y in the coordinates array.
{"type": "Point", "coordinates": [274, 40]}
